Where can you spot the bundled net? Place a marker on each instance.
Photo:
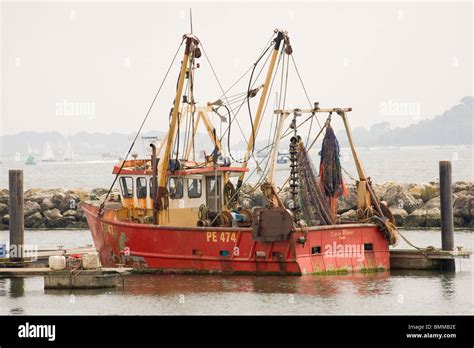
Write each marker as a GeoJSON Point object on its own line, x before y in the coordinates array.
{"type": "Point", "coordinates": [318, 194]}
{"type": "Point", "coordinates": [330, 173]}
{"type": "Point", "coordinates": [314, 207]}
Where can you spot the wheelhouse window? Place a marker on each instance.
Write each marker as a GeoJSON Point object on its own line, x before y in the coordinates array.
{"type": "Point", "coordinates": [126, 185]}
{"type": "Point", "coordinates": [141, 187]}
{"type": "Point", "coordinates": [175, 187]}
{"type": "Point", "coordinates": [194, 188]}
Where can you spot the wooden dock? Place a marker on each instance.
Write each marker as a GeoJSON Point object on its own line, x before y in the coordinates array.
{"type": "Point", "coordinates": [85, 279]}
{"type": "Point", "coordinates": [428, 259]}
{"type": "Point", "coordinates": [42, 257]}
{"type": "Point", "coordinates": [43, 271]}
{"type": "Point", "coordinates": [65, 279]}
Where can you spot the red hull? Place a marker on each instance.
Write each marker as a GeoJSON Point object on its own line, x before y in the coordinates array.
{"type": "Point", "coordinates": [232, 250]}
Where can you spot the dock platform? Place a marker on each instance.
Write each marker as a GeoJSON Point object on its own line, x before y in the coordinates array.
{"type": "Point", "coordinates": [427, 259]}
{"type": "Point", "coordinates": [43, 271]}
{"type": "Point", "coordinates": [42, 256]}
{"type": "Point", "coordinates": [65, 279]}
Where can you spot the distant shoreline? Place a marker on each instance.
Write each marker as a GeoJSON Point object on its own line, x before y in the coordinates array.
{"type": "Point", "coordinates": [98, 157]}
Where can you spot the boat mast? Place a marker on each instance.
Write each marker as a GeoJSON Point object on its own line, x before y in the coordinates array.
{"type": "Point", "coordinates": [281, 35]}
{"type": "Point", "coordinates": [276, 146]}
{"type": "Point", "coordinates": [192, 43]}
{"type": "Point", "coordinates": [363, 188]}
{"type": "Point", "coordinates": [268, 187]}
{"type": "Point", "coordinates": [366, 196]}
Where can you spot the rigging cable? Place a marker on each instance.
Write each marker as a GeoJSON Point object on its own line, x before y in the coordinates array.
{"type": "Point", "coordinates": [286, 133]}
{"type": "Point", "coordinates": [101, 207]}
{"type": "Point", "coordinates": [248, 100]}
{"type": "Point", "coordinates": [267, 162]}
{"type": "Point", "coordinates": [245, 73]}
{"type": "Point", "coordinates": [178, 130]}
{"type": "Point", "coordinates": [309, 101]}
{"type": "Point", "coordinates": [265, 169]}
{"type": "Point", "coordinates": [192, 110]}
{"type": "Point", "coordinates": [304, 88]}
{"type": "Point", "coordinates": [243, 102]}
{"type": "Point", "coordinates": [224, 92]}
{"type": "Point", "coordinates": [237, 191]}
{"type": "Point", "coordinates": [189, 100]}
{"type": "Point", "coordinates": [280, 58]}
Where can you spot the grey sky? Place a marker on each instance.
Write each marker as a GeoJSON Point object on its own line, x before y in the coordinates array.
{"type": "Point", "coordinates": [109, 58]}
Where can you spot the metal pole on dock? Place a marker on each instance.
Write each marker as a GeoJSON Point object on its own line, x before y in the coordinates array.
{"type": "Point", "coordinates": [446, 202]}
{"type": "Point", "coordinates": [16, 223]}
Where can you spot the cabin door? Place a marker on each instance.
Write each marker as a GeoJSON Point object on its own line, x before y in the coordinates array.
{"type": "Point", "coordinates": [211, 193]}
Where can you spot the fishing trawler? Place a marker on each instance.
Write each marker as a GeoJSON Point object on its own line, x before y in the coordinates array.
{"type": "Point", "coordinates": [177, 214]}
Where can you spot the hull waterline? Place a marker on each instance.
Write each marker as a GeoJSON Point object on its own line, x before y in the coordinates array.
{"type": "Point", "coordinates": [232, 250]}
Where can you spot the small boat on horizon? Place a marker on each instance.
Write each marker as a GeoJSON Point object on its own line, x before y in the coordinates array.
{"type": "Point", "coordinates": [69, 154]}
{"type": "Point", "coordinates": [48, 154]}
{"type": "Point", "coordinates": [282, 159]}
{"type": "Point", "coordinates": [30, 159]}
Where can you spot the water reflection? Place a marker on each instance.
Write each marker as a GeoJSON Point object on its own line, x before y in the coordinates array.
{"type": "Point", "coordinates": [376, 293]}
{"type": "Point", "coordinates": [373, 285]}
{"type": "Point", "coordinates": [17, 287]}
{"type": "Point", "coordinates": [420, 274]}
{"type": "Point", "coordinates": [447, 280]}
{"type": "Point", "coordinates": [3, 286]}
{"type": "Point", "coordinates": [448, 286]}
{"type": "Point", "coordinates": [320, 286]}
{"type": "Point", "coordinates": [17, 311]}
{"type": "Point", "coordinates": [72, 293]}
{"type": "Point", "coordinates": [17, 290]}
{"type": "Point", "coordinates": [366, 285]}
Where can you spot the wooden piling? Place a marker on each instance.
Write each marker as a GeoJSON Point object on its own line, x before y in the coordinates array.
{"type": "Point", "coordinates": [446, 201]}
{"type": "Point", "coordinates": [16, 222]}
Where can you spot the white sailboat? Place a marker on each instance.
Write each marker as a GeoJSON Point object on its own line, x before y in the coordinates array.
{"type": "Point", "coordinates": [48, 154]}
{"type": "Point", "coordinates": [69, 153]}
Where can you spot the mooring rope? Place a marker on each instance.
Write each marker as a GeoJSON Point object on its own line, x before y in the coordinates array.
{"type": "Point", "coordinates": [421, 250]}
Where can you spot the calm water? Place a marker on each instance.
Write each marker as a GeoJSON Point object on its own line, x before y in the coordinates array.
{"type": "Point", "coordinates": [382, 293]}
{"type": "Point", "coordinates": [410, 164]}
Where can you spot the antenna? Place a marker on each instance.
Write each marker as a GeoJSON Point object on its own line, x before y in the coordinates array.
{"type": "Point", "coordinates": [191, 19]}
